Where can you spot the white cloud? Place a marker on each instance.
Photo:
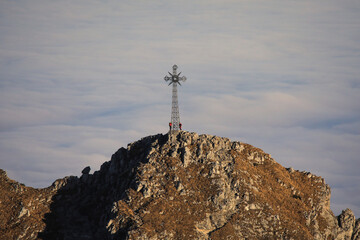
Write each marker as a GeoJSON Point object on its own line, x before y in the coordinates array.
{"type": "Point", "coordinates": [55, 151]}
{"type": "Point", "coordinates": [80, 79]}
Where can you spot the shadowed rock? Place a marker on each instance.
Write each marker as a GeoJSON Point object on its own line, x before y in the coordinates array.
{"type": "Point", "coordinates": [178, 186]}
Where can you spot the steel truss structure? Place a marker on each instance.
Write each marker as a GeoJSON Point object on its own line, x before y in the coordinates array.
{"type": "Point", "coordinates": [175, 115]}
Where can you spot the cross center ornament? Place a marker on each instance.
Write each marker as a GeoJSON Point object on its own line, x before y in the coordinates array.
{"type": "Point", "coordinates": [175, 79]}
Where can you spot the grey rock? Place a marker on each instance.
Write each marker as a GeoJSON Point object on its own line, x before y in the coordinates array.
{"type": "Point", "coordinates": [346, 222]}
{"type": "Point", "coordinates": [86, 170]}
{"type": "Point", "coordinates": [356, 231]}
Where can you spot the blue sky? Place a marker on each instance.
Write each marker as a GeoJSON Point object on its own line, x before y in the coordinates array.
{"type": "Point", "coordinates": [80, 79]}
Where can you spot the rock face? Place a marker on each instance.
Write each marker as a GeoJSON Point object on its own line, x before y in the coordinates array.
{"type": "Point", "coordinates": [178, 186]}
{"type": "Point", "coordinates": [22, 209]}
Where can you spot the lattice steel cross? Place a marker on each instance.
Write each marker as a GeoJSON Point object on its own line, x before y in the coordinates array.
{"type": "Point", "coordinates": [175, 80]}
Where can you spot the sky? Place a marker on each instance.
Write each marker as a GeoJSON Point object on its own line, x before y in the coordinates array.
{"type": "Point", "coordinates": [80, 79]}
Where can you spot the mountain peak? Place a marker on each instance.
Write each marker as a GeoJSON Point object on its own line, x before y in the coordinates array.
{"type": "Point", "coordinates": [183, 185]}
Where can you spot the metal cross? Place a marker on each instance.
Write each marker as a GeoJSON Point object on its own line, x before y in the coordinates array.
{"type": "Point", "coordinates": [175, 116]}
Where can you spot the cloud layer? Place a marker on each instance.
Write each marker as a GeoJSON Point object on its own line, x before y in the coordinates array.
{"type": "Point", "coordinates": [80, 79]}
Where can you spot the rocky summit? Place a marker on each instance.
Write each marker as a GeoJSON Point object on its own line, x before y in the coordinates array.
{"type": "Point", "coordinates": [177, 186]}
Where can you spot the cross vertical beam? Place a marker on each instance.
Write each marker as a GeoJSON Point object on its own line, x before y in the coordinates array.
{"type": "Point", "coordinates": [175, 115]}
